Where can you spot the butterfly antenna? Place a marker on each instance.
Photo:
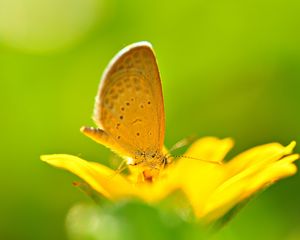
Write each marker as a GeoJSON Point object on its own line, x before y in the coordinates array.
{"type": "Point", "coordinates": [200, 159]}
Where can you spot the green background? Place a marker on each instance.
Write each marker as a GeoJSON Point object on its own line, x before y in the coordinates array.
{"type": "Point", "coordinates": [228, 69]}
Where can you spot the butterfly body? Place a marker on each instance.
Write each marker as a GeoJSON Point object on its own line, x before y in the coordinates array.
{"type": "Point", "coordinates": [129, 109]}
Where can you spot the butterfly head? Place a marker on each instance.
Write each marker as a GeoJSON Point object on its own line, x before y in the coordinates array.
{"type": "Point", "coordinates": [150, 164]}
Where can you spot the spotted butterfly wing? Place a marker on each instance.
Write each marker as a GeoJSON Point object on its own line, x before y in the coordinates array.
{"type": "Point", "coordinates": [129, 110]}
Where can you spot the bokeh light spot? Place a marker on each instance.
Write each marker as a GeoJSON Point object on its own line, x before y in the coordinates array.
{"type": "Point", "coordinates": [49, 25]}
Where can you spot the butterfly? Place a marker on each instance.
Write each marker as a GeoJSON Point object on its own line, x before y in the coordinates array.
{"type": "Point", "coordinates": [129, 110]}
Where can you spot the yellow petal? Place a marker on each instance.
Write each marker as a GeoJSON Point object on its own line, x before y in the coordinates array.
{"type": "Point", "coordinates": [213, 190]}
{"type": "Point", "coordinates": [210, 149]}
{"type": "Point", "coordinates": [221, 202]}
{"type": "Point", "coordinates": [259, 155]}
{"type": "Point", "coordinates": [156, 191]}
{"type": "Point", "coordinates": [245, 184]}
{"type": "Point", "coordinates": [99, 177]}
{"type": "Point", "coordinates": [199, 178]}
{"type": "Point", "coordinates": [275, 171]}
{"type": "Point", "coordinates": [198, 182]}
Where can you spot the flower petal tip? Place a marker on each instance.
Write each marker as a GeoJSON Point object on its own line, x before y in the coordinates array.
{"type": "Point", "coordinates": [57, 160]}
{"type": "Point", "coordinates": [290, 147]}
{"type": "Point", "coordinates": [48, 158]}
{"type": "Point", "coordinates": [45, 158]}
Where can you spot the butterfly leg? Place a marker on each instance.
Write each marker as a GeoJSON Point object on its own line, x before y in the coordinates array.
{"type": "Point", "coordinates": [123, 165]}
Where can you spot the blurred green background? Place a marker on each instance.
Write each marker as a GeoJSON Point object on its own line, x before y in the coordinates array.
{"type": "Point", "coordinates": [229, 68]}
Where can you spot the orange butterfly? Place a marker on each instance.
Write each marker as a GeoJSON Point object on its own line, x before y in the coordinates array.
{"type": "Point", "coordinates": [129, 110]}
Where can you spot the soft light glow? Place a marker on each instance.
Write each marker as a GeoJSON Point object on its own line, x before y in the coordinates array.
{"type": "Point", "coordinates": [49, 25]}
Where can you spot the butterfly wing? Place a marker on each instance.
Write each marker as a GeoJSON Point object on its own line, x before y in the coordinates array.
{"type": "Point", "coordinates": [129, 106]}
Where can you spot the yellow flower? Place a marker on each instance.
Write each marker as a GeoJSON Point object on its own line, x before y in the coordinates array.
{"type": "Point", "coordinates": [212, 189]}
